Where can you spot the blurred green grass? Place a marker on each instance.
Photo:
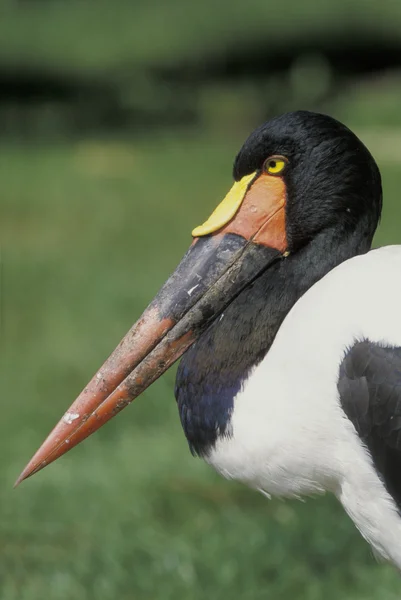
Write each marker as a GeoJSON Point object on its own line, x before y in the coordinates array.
{"type": "Point", "coordinates": [88, 35]}
{"type": "Point", "coordinates": [89, 232]}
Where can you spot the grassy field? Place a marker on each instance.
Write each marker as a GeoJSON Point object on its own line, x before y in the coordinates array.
{"type": "Point", "coordinates": [98, 36]}
{"type": "Point", "coordinates": [90, 231]}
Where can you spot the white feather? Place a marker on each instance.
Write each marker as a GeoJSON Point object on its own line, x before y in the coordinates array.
{"type": "Point", "coordinates": [290, 434]}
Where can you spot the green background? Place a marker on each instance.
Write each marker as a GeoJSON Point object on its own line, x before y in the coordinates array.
{"type": "Point", "coordinates": [93, 220]}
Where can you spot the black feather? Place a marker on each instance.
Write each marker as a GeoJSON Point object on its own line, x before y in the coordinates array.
{"type": "Point", "coordinates": [369, 385]}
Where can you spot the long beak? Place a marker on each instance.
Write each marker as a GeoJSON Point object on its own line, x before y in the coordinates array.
{"type": "Point", "coordinates": [211, 274]}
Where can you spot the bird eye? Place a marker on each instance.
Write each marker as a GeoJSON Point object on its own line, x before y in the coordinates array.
{"type": "Point", "coordinates": [275, 165]}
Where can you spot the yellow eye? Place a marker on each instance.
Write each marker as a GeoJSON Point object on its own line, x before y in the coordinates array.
{"type": "Point", "coordinates": [275, 165]}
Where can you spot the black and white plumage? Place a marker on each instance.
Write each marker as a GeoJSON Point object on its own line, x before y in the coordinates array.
{"type": "Point", "coordinates": [370, 393]}
{"type": "Point", "coordinates": [291, 329]}
{"type": "Point", "coordinates": [295, 430]}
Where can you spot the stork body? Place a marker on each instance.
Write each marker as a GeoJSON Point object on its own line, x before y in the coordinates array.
{"type": "Point", "coordinates": [290, 434]}
{"type": "Point", "coordinates": [289, 331]}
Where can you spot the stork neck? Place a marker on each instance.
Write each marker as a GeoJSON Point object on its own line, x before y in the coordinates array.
{"type": "Point", "coordinates": [215, 368]}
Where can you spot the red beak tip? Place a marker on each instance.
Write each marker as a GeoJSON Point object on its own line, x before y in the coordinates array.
{"type": "Point", "coordinates": [20, 479]}
{"type": "Point", "coordinates": [28, 472]}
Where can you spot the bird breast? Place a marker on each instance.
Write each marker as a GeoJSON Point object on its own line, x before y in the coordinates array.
{"type": "Point", "coordinates": [289, 434]}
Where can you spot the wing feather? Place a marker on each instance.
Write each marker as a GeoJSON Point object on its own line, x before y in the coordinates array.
{"type": "Point", "coordinates": [369, 386]}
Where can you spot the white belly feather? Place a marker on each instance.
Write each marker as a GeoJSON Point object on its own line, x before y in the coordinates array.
{"type": "Point", "coordinates": [290, 435]}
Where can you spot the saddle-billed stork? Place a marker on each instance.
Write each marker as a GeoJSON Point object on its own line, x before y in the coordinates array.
{"type": "Point", "coordinates": [291, 329]}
